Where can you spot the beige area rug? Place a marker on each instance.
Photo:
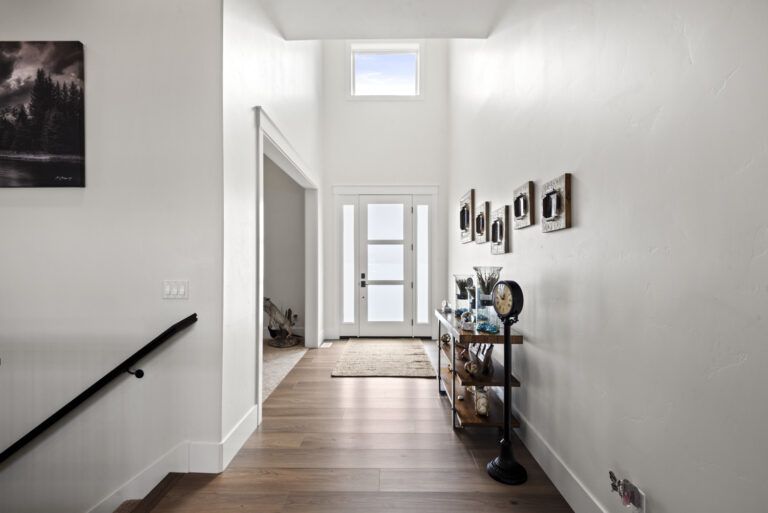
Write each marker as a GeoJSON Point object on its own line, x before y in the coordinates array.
{"type": "Point", "coordinates": [404, 358]}
{"type": "Point", "coordinates": [278, 362]}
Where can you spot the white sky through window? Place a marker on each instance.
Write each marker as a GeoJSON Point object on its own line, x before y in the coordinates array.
{"type": "Point", "coordinates": [385, 73]}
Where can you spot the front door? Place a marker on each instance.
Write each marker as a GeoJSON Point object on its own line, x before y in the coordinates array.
{"type": "Point", "coordinates": [386, 266]}
{"type": "Point", "coordinates": [385, 249]}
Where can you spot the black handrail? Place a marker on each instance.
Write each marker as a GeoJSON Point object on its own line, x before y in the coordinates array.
{"type": "Point", "coordinates": [80, 399]}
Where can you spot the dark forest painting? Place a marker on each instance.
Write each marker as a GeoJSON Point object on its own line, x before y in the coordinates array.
{"type": "Point", "coordinates": [42, 115]}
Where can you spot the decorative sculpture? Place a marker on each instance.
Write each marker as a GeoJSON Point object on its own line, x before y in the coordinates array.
{"type": "Point", "coordinates": [280, 325]}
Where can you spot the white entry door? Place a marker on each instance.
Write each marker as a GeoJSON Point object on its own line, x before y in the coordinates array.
{"type": "Point", "coordinates": [385, 246]}
{"type": "Point", "coordinates": [386, 266]}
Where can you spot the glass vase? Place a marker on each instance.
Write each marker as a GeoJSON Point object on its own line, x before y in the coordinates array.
{"type": "Point", "coordinates": [486, 279]}
{"type": "Point", "coordinates": [462, 293]}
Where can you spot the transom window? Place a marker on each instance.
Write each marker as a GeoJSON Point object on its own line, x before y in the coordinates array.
{"type": "Point", "coordinates": [385, 70]}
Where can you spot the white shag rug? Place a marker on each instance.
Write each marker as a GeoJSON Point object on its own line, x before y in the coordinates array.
{"type": "Point", "coordinates": [404, 358]}
{"type": "Point", "coordinates": [278, 362]}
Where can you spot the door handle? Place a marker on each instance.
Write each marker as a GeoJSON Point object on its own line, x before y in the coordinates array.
{"type": "Point", "coordinates": [362, 284]}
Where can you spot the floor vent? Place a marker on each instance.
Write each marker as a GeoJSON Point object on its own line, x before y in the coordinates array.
{"type": "Point", "coordinates": [326, 345]}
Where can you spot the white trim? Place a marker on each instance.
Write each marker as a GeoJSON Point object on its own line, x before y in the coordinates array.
{"type": "Point", "coordinates": [175, 460]}
{"type": "Point", "coordinates": [386, 189]}
{"type": "Point", "coordinates": [271, 142]}
{"type": "Point", "coordinates": [204, 457]}
{"type": "Point", "coordinates": [235, 439]}
{"type": "Point", "coordinates": [565, 480]}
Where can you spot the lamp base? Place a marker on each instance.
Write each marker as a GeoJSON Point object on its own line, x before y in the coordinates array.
{"type": "Point", "coordinates": [507, 471]}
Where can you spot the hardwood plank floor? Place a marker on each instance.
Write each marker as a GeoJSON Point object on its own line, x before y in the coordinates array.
{"type": "Point", "coordinates": [348, 445]}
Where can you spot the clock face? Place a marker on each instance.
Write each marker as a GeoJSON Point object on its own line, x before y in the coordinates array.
{"type": "Point", "coordinates": [502, 299]}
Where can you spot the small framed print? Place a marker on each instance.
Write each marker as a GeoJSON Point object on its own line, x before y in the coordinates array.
{"type": "Point", "coordinates": [482, 220]}
{"type": "Point", "coordinates": [522, 206]}
{"type": "Point", "coordinates": [467, 216]}
{"type": "Point", "coordinates": [500, 231]}
{"type": "Point", "coordinates": [556, 204]}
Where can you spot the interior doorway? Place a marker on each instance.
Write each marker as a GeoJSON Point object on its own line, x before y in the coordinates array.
{"type": "Point", "coordinates": [386, 275]}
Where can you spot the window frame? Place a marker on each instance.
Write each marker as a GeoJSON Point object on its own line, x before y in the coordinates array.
{"type": "Point", "coordinates": [383, 47]}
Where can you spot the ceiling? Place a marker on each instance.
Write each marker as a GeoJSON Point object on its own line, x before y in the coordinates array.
{"type": "Point", "coordinates": [384, 19]}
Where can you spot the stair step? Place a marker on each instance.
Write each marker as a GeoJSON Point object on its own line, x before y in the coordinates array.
{"type": "Point", "coordinates": [127, 506]}
{"type": "Point", "coordinates": [153, 498]}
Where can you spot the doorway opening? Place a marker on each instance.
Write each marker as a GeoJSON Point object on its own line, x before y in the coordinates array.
{"type": "Point", "coordinates": [385, 244]}
{"type": "Point", "coordinates": [284, 279]}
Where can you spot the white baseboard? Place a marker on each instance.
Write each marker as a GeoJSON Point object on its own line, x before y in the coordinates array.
{"type": "Point", "coordinates": [203, 457]}
{"type": "Point", "coordinates": [213, 458]}
{"type": "Point", "coordinates": [570, 487]}
{"type": "Point", "coordinates": [175, 460]}
{"type": "Point", "coordinates": [235, 439]}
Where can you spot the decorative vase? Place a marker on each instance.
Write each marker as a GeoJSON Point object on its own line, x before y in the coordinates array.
{"type": "Point", "coordinates": [487, 276]}
{"type": "Point", "coordinates": [462, 293]}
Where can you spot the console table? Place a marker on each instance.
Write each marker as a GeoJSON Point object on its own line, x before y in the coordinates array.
{"type": "Point", "coordinates": [453, 380]}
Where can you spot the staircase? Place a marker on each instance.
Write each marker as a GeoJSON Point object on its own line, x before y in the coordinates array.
{"type": "Point", "coordinates": [152, 499]}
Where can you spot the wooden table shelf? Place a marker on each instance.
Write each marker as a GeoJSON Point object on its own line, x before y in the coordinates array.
{"type": "Point", "coordinates": [496, 379]}
{"type": "Point", "coordinates": [450, 324]}
{"type": "Point", "coordinates": [455, 381]}
{"type": "Point", "coordinates": [465, 409]}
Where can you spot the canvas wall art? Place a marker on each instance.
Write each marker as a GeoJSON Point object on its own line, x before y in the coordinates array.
{"type": "Point", "coordinates": [42, 114]}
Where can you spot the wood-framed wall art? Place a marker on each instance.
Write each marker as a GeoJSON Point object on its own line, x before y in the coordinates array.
{"type": "Point", "coordinates": [42, 114]}
{"type": "Point", "coordinates": [522, 205]}
{"type": "Point", "coordinates": [500, 231]}
{"type": "Point", "coordinates": [467, 216]}
{"type": "Point", "coordinates": [482, 222]}
{"type": "Point", "coordinates": [556, 204]}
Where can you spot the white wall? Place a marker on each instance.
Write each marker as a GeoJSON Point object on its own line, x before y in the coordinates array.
{"type": "Point", "coordinates": [81, 269]}
{"type": "Point", "coordinates": [283, 242]}
{"type": "Point", "coordinates": [260, 69]}
{"type": "Point", "coordinates": [374, 142]}
{"type": "Point", "coordinates": [645, 323]}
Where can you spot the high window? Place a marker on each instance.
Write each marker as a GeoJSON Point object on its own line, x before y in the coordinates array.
{"type": "Point", "coordinates": [385, 70]}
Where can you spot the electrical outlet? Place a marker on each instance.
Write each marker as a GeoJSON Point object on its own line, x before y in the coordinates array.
{"type": "Point", "coordinates": [631, 496]}
{"type": "Point", "coordinates": [175, 289]}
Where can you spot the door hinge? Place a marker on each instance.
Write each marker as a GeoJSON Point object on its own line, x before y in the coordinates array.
{"type": "Point", "coordinates": [411, 322]}
{"type": "Point", "coordinates": [411, 284]}
{"type": "Point", "coordinates": [411, 210]}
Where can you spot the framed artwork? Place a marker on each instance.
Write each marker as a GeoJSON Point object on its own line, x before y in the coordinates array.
{"type": "Point", "coordinates": [482, 220]}
{"type": "Point", "coordinates": [467, 216]}
{"type": "Point", "coordinates": [556, 204]}
{"type": "Point", "coordinates": [500, 231]}
{"type": "Point", "coordinates": [42, 114]}
{"type": "Point", "coordinates": [523, 205]}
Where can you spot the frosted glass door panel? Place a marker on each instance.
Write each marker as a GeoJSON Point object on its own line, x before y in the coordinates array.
{"type": "Point", "coordinates": [385, 221]}
{"type": "Point", "coordinates": [348, 251]}
{"type": "Point", "coordinates": [422, 264]}
{"type": "Point", "coordinates": [385, 262]}
{"type": "Point", "coordinates": [385, 303]}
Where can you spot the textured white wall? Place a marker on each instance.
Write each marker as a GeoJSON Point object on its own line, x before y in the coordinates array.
{"type": "Point", "coordinates": [260, 69]}
{"type": "Point", "coordinates": [283, 241]}
{"type": "Point", "coordinates": [645, 323]}
{"type": "Point", "coordinates": [81, 269]}
{"type": "Point", "coordinates": [375, 142]}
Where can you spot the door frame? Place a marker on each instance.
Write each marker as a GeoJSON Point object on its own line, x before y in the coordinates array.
{"type": "Point", "coordinates": [342, 195]}
{"type": "Point", "coordinates": [271, 142]}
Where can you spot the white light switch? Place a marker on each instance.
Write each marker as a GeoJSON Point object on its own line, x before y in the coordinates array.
{"type": "Point", "coordinates": [175, 289]}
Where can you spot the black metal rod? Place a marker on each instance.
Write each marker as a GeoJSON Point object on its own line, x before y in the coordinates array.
{"type": "Point", "coordinates": [84, 396]}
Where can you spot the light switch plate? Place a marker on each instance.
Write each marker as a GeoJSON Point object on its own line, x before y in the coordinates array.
{"type": "Point", "coordinates": [175, 289]}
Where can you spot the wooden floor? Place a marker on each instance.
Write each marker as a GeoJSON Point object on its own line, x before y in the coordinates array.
{"type": "Point", "coordinates": [349, 445]}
